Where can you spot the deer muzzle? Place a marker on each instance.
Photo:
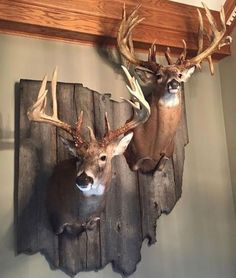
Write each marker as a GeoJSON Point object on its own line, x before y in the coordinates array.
{"type": "Point", "coordinates": [173, 86]}
{"type": "Point", "coordinates": [84, 182]}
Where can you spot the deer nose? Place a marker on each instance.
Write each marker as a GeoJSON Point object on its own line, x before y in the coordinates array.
{"type": "Point", "coordinates": [174, 84]}
{"type": "Point", "coordinates": [83, 180]}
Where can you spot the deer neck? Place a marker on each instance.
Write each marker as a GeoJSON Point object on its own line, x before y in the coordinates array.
{"type": "Point", "coordinates": [90, 206]}
{"type": "Point", "coordinates": [166, 99]}
{"type": "Point", "coordinates": [170, 100]}
{"type": "Point", "coordinates": [166, 111]}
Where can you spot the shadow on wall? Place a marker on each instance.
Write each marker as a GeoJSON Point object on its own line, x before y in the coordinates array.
{"type": "Point", "coordinates": [6, 135]}
{"type": "Point", "coordinates": [111, 56]}
{"type": "Point", "coordinates": [7, 241]}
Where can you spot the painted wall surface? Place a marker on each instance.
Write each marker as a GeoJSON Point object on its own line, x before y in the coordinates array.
{"type": "Point", "coordinates": [198, 238]}
{"type": "Point", "coordinates": [227, 73]}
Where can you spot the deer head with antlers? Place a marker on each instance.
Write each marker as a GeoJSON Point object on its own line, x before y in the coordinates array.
{"type": "Point", "coordinates": [93, 158]}
{"type": "Point", "coordinates": [152, 143]}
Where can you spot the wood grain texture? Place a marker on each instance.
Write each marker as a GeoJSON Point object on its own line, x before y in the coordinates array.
{"type": "Point", "coordinates": [97, 20]}
{"type": "Point", "coordinates": [134, 202]}
{"type": "Point", "coordinates": [230, 13]}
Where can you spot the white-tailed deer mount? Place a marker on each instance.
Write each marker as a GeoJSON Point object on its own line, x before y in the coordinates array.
{"type": "Point", "coordinates": [92, 171]}
{"type": "Point", "coordinates": [152, 143]}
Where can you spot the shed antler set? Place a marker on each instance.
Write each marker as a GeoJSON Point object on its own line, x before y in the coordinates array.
{"type": "Point", "coordinates": [148, 140]}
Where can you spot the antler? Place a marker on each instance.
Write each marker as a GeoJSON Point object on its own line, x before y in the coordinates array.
{"type": "Point", "coordinates": [216, 38]}
{"type": "Point", "coordinates": [140, 106]}
{"type": "Point", "coordinates": [125, 42]}
{"type": "Point", "coordinates": [37, 111]}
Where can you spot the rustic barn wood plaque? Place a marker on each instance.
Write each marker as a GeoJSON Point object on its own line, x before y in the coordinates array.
{"type": "Point", "coordinates": [134, 202]}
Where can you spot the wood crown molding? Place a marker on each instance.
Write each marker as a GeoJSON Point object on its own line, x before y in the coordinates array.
{"type": "Point", "coordinates": [230, 14]}
{"type": "Point", "coordinates": [97, 21]}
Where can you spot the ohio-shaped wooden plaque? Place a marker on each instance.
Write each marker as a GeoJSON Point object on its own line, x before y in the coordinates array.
{"type": "Point", "coordinates": [134, 202]}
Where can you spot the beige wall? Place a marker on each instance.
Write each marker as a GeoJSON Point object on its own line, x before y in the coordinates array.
{"type": "Point", "coordinates": [198, 238]}
{"type": "Point", "coordinates": [228, 87]}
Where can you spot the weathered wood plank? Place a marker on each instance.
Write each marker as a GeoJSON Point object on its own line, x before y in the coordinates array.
{"type": "Point", "coordinates": [110, 217]}
{"type": "Point", "coordinates": [72, 250]}
{"type": "Point", "coordinates": [67, 113]}
{"type": "Point", "coordinates": [130, 226]}
{"type": "Point", "coordinates": [181, 140]}
{"type": "Point", "coordinates": [85, 101]}
{"type": "Point", "coordinates": [134, 202]}
{"type": "Point", "coordinates": [37, 165]}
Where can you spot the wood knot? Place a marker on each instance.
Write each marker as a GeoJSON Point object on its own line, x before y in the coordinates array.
{"type": "Point", "coordinates": [155, 205]}
{"type": "Point", "coordinates": [118, 226]}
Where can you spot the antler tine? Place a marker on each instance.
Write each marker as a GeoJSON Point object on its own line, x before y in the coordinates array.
{"type": "Point", "coordinates": [200, 32]}
{"type": "Point", "coordinates": [107, 124]}
{"type": "Point", "coordinates": [182, 56]}
{"type": "Point", "coordinates": [124, 34]}
{"type": "Point", "coordinates": [211, 66]}
{"type": "Point", "coordinates": [54, 90]}
{"type": "Point", "coordinates": [37, 111]}
{"type": "Point", "coordinates": [140, 106]}
{"type": "Point", "coordinates": [216, 41]}
{"type": "Point", "coordinates": [77, 134]}
{"type": "Point", "coordinates": [211, 19]}
{"type": "Point", "coordinates": [184, 52]}
{"type": "Point", "coordinates": [152, 52]}
{"type": "Point", "coordinates": [227, 41]}
{"type": "Point", "coordinates": [222, 19]}
{"type": "Point", "coordinates": [168, 57]}
{"type": "Point", "coordinates": [124, 37]}
{"type": "Point", "coordinates": [91, 134]}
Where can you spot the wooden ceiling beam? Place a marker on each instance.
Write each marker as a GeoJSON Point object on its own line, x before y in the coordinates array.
{"type": "Point", "coordinates": [230, 15]}
{"type": "Point", "coordinates": [97, 21]}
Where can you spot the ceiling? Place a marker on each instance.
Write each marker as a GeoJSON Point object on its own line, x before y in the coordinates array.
{"type": "Point", "coordinates": [212, 4]}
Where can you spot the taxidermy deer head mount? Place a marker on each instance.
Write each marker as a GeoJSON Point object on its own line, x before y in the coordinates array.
{"type": "Point", "coordinates": [93, 166]}
{"type": "Point", "coordinates": [152, 143]}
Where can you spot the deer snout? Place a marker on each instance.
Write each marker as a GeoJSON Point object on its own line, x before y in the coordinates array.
{"type": "Point", "coordinates": [173, 86]}
{"type": "Point", "coordinates": [84, 182]}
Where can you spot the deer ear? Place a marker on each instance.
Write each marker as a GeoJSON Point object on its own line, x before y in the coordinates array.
{"type": "Point", "coordinates": [121, 146]}
{"type": "Point", "coordinates": [146, 76]}
{"type": "Point", "coordinates": [187, 73]}
{"type": "Point", "coordinates": [70, 145]}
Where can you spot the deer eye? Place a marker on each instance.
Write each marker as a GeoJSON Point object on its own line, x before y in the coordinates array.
{"type": "Point", "coordinates": [159, 76]}
{"type": "Point", "coordinates": [180, 75]}
{"type": "Point", "coordinates": [103, 158]}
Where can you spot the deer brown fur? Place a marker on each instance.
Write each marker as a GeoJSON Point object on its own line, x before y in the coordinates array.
{"type": "Point", "coordinates": [153, 141]}
{"type": "Point", "coordinates": [78, 187]}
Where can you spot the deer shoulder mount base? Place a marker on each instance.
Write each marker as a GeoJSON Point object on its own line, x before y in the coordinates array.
{"type": "Point", "coordinates": [90, 171]}
{"type": "Point", "coordinates": [153, 142]}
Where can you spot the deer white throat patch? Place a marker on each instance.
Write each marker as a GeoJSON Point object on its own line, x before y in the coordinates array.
{"type": "Point", "coordinates": [98, 190]}
{"type": "Point", "coordinates": [170, 100]}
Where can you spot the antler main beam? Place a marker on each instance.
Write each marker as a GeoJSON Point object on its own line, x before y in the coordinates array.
{"type": "Point", "coordinates": [216, 38]}
{"type": "Point", "coordinates": [140, 106]}
{"type": "Point", "coordinates": [37, 111]}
